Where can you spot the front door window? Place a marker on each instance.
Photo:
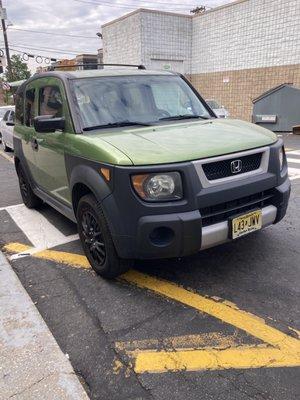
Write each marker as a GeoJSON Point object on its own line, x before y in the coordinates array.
{"type": "Point", "coordinates": [50, 101]}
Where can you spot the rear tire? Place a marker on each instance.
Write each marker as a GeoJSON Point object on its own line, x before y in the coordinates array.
{"type": "Point", "coordinates": [29, 198]}
{"type": "Point", "coordinates": [96, 239]}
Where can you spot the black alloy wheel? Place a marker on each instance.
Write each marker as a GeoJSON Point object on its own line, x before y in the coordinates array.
{"type": "Point", "coordinates": [93, 238]}
{"type": "Point", "coordinates": [96, 239]}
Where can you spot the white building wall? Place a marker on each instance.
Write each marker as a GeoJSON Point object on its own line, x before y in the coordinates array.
{"type": "Point", "coordinates": [247, 34]}
{"type": "Point", "coordinates": [166, 41]}
{"type": "Point", "coordinates": [157, 40]}
{"type": "Point", "coordinates": [122, 40]}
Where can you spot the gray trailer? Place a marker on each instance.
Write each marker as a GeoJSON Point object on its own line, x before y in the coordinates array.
{"type": "Point", "coordinates": [278, 109]}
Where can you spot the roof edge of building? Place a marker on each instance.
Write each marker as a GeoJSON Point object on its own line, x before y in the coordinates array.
{"type": "Point", "coordinates": [148, 10]}
{"type": "Point", "coordinates": [233, 3]}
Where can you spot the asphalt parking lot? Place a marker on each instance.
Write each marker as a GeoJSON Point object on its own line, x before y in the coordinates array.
{"type": "Point", "coordinates": [223, 324]}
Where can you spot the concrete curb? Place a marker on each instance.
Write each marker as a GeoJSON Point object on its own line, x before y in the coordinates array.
{"type": "Point", "coordinates": [32, 366]}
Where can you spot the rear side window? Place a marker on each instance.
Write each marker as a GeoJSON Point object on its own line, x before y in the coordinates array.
{"type": "Point", "coordinates": [19, 103]}
{"type": "Point", "coordinates": [30, 98]}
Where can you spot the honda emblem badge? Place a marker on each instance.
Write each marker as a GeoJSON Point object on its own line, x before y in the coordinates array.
{"type": "Point", "coordinates": [236, 166]}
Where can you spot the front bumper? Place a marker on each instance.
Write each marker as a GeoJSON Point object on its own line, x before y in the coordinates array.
{"type": "Point", "coordinates": [142, 230]}
{"type": "Point", "coordinates": [182, 234]}
{"type": "Point", "coordinates": [215, 234]}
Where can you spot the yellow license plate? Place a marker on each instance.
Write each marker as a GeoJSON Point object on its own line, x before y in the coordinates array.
{"type": "Point", "coordinates": [244, 224]}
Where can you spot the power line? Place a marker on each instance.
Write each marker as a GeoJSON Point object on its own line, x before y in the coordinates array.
{"type": "Point", "coordinates": [127, 6]}
{"type": "Point", "coordinates": [34, 55]}
{"type": "Point", "coordinates": [63, 51]}
{"type": "Point", "coordinates": [54, 34]}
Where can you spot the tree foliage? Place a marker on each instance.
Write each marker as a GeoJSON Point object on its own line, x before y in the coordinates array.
{"type": "Point", "coordinates": [19, 69]}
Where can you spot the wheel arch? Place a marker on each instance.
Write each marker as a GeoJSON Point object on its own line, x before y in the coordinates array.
{"type": "Point", "coordinates": [86, 180]}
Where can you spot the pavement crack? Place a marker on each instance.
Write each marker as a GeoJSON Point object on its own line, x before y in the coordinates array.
{"type": "Point", "coordinates": [30, 386]}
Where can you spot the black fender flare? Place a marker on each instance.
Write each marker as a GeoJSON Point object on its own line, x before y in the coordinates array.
{"type": "Point", "coordinates": [92, 179]}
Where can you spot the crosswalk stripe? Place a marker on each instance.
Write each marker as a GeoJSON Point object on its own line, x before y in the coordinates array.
{"type": "Point", "coordinates": [294, 171]}
{"type": "Point", "coordinates": [297, 152]}
{"type": "Point", "coordinates": [293, 160]}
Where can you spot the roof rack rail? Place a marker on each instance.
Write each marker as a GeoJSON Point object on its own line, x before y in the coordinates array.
{"type": "Point", "coordinates": [54, 67]}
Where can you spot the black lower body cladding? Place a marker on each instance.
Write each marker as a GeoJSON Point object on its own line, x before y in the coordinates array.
{"type": "Point", "coordinates": [149, 231]}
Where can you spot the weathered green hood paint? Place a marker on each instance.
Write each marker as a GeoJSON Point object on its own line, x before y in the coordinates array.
{"type": "Point", "coordinates": [184, 141]}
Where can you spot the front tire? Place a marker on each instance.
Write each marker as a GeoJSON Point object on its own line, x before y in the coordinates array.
{"type": "Point", "coordinates": [29, 198]}
{"type": "Point", "coordinates": [96, 239]}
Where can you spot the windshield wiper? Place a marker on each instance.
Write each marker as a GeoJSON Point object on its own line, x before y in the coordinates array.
{"type": "Point", "coordinates": [116, 125]}
{"type": "Point", "coordinates": [184, 116]}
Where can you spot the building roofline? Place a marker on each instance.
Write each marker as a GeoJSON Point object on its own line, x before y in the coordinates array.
{"type": "Point", "coordinates": [233, 3]}
{"type": "Point", "coordinates": [147, 10]}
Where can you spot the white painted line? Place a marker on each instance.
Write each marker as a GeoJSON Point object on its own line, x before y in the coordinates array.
{"type": "Point", "coordinates": [293, 178]}
{"type": "Point", "coordinates": [296, 152]}
{"type": "Point", "coordinates": [8, 207]}
{"type": "Point", "coordinates": [293, 160]}
{"type": "Point", "coordinates": [294, 171]}
{"type": "Point", "coordinates": [41, 233]}
{"type": "Point", "coordinates": [34, 250]}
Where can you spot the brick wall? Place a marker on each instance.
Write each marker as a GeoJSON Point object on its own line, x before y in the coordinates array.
{"type": "Point", "coordinates": [236, 89]}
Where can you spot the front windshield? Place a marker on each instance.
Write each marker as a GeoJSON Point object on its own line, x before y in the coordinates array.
{"type": "Point", "coordinates": [141, 99]}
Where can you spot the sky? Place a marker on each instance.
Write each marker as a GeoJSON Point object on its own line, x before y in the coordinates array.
{"type": "Point", "coordinates": [67, 19]}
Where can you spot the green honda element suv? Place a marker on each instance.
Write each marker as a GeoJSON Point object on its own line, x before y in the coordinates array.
{"type": "Point", "coordinates": [142, 164]}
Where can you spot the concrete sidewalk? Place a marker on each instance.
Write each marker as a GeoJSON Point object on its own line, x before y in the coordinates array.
{"type": "Point", "coordinates": [32, 366]}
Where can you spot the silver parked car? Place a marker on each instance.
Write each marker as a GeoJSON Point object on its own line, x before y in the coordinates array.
{"type": "Point", "coordinates": [3, 110]}
{"type": "Point", "coordinates": [7, 128]}
{"type": "Point", "coordinates": [220, 111]}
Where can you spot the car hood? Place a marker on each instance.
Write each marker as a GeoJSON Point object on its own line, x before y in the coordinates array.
{"type": "Point", "coordinates": [186, 141]}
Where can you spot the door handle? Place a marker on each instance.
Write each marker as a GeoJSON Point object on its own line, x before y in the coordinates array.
{"type": "Point", "coordinates": [34, 144]}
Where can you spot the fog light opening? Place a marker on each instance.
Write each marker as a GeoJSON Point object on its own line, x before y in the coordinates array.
{"type": "Point", "coordinates": [162, 236]}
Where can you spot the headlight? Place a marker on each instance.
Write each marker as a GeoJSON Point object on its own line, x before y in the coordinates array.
{"type": "Point", "coordinates": [281, 157]}
{"type": "Point", "coordinates": [158, 187]}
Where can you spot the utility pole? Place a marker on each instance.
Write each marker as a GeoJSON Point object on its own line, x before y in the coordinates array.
{"type": "Point", "coordinates": [5, 40]}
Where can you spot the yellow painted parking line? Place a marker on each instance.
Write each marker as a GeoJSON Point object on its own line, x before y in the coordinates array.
{"type": "Point", "coordinates": [278, 349]}
{"type": "Point", "coordinates": [195, 360]}
{"type": "Point", "coordinates": [16, 248]}
{"type": "Point", "coordinates": [72, 259]}
{"type": "Point", "coordinates": [285, 351]}
{"type": "Point", "coordinates": [232, 315]}
{"type": "Point", "coordinates": [75, 260]}
{"type": "Point", "coordinates": [6, 156]}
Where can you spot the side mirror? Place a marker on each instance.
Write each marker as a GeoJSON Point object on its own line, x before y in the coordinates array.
{"type": "Point", "coordinates": [46, 123]}
{"type": "Point", "coordinates": [10, 123]}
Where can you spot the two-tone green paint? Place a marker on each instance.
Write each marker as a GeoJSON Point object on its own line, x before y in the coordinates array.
{"type": "Point", "coordinates": [168, 142]}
